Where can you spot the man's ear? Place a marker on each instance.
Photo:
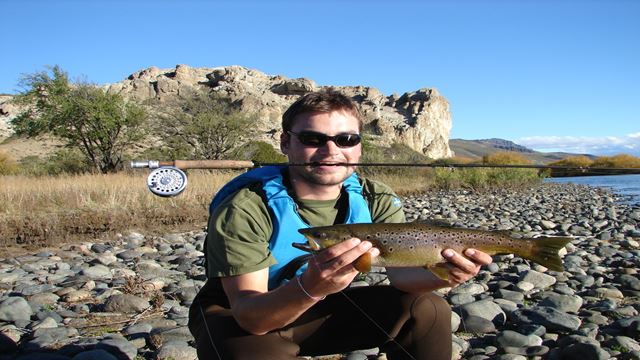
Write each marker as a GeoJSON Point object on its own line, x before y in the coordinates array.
{"type": "Point", "coordinates": [284, 142]}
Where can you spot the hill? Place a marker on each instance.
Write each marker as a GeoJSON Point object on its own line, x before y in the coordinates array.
{"type": "Point", "coordinates": [476, 149]}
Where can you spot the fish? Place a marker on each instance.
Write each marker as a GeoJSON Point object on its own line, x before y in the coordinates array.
{"type": "Point", "coordinates": [421, 244]}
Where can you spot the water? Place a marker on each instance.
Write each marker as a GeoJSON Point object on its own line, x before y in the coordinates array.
{"type": "Point", "coordinates": [625, 185]}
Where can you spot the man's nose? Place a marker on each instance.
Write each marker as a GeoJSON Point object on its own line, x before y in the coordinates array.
{"type": "Point", "coordinates": [331, 147]}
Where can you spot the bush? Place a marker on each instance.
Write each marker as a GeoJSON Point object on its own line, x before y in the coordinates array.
{"type": "Point", "coordinates": [617, 161]}
{"type": "Point", "coordinates": [505, 158]}
{"type": "Point", "coordinates": [259, 152]}
{"type": "Point", "coordinates": [395, 154]}
{"type": "Point", "coordinates": [8, 166]}
{"type": "Point", "coordinates": [64, 161]}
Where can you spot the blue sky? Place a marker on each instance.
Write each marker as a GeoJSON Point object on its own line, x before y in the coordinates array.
{"type": "Point", "coordinates": [551, 75]}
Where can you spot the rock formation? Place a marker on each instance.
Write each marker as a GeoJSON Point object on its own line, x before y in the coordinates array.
{"type": "Point", "coordinates": [419, 119]}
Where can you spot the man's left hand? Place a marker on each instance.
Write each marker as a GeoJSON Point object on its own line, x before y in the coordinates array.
{"type": "Point", "coordinates": [462, 268]}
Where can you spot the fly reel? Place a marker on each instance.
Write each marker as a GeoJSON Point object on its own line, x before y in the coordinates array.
{"type": "Point", "coordinates": [167, 181]}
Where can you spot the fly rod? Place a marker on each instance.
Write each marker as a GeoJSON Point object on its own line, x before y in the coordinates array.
{"type": "Point", "coordinates": [169, 179]}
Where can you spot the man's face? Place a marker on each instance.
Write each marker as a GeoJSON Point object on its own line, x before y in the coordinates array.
{"type": "Point", "coordinates": [333, 123]}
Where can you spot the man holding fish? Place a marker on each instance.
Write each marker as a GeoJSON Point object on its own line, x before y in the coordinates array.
{"type": "Point", "coordinates": [258, 304]}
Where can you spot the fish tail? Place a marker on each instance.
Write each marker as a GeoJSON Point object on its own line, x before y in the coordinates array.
{"type": "Point", "coordinates": [544, 251]}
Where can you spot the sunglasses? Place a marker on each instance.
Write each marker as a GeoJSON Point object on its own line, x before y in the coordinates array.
{"type": "Point", "coordinates": [315, 139]}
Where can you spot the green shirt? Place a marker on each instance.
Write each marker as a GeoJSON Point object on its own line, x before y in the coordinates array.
{"type": "Point", "coordinates": [240, 227]}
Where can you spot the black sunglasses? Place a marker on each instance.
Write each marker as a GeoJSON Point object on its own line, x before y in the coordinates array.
{"type": "Point", "coordinates": [315, 139]}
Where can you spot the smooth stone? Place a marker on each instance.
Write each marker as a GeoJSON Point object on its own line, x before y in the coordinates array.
{"type": "Point", "coordinates": [97, 272]}
{"type": "Point", "coordinates": [548, 317]}
{"type": "Point", "coordinates": [181, 351]}
{"type": "Point", "coordinates": [625, 343]}
{"type": "Point", "coordinates": [77, 295]}
{"type": "Point", "coordinates": [119, 347]}
{"type": "Point", "coordinates": [564, 303]}
{"type": "Point", "coordinates": [486, 309]}
{"type": "Point", "coordinates": [15, 308]}
{"type": "Point", "coordinates": [125, 303]}
{"type": "Point", "coordinates": [582, 351]}
{"type": "Point", "coordinates": [173, 334]}
{"type": "Point", "coordinates": [509, 338]}
{"type": "Point", "coordinates": [608, 293]}
{"type": "Point", "coordinates": [455, 321]}
{"type": "Point", "coordinates": [538, 279]}
{"type": "Point", "coordinates": [98, 354]}
{"type": "Point", "coordinates": [477, 325]}
{"type": "Point", "coordinates": [45, 298]}
{"type": "Point", "coordinates": [137, 329]}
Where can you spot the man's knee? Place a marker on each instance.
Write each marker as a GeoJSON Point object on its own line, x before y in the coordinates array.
{"type": "Point", "coordinates": [431, 308]}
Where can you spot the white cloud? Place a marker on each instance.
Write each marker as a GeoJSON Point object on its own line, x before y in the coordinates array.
{"type": "Point", "coordinates": [604, 145]}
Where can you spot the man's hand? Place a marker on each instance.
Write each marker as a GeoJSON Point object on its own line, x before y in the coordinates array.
{"type": "Point", "coordinates": [463, 268]}
{"type": "Point", "coordinates": [332, 270]}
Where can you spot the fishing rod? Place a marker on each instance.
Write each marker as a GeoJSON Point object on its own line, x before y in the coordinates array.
{"type": "Point", "coordinates": [169, 179]}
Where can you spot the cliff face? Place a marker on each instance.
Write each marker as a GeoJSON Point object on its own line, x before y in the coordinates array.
{"type": "Point", "coordinates": [419, 119]}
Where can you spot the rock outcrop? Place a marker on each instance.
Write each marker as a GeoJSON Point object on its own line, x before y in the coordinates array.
{"type": "Point", "coordinates": [7, 112]}
{"type": "Point", "coordinates": [420, 119]}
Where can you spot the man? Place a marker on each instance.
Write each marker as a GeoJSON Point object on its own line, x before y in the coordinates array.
{"type": "Point", "coordinates": [254, 306]}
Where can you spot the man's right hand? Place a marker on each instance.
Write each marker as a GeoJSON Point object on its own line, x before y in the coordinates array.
{"type": "Point", "coordinates": [331, 270]}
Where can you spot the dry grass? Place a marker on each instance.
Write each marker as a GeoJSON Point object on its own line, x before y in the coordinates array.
{"type": "Point", "coordinates": [45, 210]}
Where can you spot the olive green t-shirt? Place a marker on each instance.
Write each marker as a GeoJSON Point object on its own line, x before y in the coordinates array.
{"type": "Point", "coordinates": [240, 227]}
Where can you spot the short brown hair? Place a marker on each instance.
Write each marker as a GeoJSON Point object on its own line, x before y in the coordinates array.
{"type": "Point", "coordinates": [320, 102]}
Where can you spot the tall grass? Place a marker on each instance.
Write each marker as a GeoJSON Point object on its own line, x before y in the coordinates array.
{"type": "Point", "coordinates": [41, 211]}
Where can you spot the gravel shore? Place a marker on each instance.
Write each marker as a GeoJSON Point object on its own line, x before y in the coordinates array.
{"type": "Point", "coordinates": [128, 298]}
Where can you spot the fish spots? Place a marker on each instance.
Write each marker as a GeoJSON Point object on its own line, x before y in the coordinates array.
{"type": "Point", "coordinates": [385, 242]}
{"type": "Point", "coordinates": [390, 249]}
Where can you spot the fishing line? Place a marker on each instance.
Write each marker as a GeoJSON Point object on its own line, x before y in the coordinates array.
{"type": "Point", "coordinates": [361, 310]}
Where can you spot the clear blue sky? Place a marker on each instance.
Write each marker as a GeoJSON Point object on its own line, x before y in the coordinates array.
{"type": "Point", "coordinates": [552, 75]}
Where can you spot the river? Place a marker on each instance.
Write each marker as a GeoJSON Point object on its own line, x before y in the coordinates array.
{"type": "Point", "coordinates": [626, 185]}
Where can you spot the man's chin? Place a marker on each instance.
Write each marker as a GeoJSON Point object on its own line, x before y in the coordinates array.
{"type": "Point", "coordinates": [328, 178]}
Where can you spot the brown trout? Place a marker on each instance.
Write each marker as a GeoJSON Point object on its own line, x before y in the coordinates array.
{"type": "Point", "coordinates": [417, 244]}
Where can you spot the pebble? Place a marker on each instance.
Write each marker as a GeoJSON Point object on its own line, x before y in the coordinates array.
{"type": "Point", "coordinates": [513, 309]}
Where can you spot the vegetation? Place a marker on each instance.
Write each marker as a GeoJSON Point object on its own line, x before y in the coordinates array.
{"type": "Point", "coordinates": [46, 210]}
{"type": "Point", "coordinates": [622, 161]}
{"type": "Point", "coordinates": [101, 126]}
{"type": "Point", "coordinates": [8, 166]}
{"type": "Point", "coordinates": [202, 126]}
{"type": "Point", "coordinates": [505, 158]}
{"type": "Point", "coordinates": [259, 152]}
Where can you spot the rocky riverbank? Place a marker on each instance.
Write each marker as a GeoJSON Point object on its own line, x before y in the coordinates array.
{"type": "Point", "coordinates": [129, 298]}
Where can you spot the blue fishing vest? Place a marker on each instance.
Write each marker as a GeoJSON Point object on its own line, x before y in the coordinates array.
{"type": "Point", "coordinates": [287, 220]}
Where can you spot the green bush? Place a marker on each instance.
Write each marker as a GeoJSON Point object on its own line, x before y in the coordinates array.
{"type": "Point", "coordinates": [64, 161]}
{"type": "Point", "coordinates": [259, 152]}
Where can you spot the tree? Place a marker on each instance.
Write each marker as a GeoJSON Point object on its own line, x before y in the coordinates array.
{"type": "Point", "coordinates": [101, 125]}
{"type": "Point", "coordinates": [205, 125]}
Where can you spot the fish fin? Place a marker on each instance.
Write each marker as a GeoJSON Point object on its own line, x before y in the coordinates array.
{"type": "Point", "coordinates": [440, 270]}
{"type": "Point", "coordinates": [363, 263]}
{"type": "Point", "coordinates": [303, 247]}
{"type": "Point", "coordinates": [545, 251]}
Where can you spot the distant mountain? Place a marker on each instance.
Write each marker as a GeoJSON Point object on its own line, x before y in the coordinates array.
{"type": "Point", "coordinates": [476, 149]}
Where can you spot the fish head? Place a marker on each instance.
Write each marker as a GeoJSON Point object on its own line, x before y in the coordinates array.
{"type": "Point", "coordinates": [323, 237]}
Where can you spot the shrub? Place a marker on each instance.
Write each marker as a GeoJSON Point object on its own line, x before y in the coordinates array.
{"type": "Point", "coordinates": [505, 158]}
{"type": "Point", "coordinates": [8, 166]}
{"type": "Point", "coordinates": [64, 161]}
{"type": "Point", "coordinates": [617, 161]}
{"type": "Point", "coordinates": [259, 152]}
